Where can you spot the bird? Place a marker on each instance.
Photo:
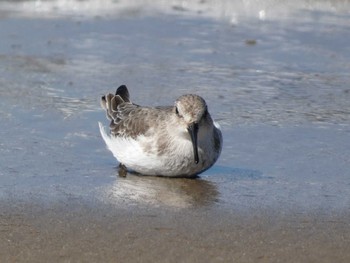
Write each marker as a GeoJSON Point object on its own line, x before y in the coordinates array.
{"type": "Point", "coordinates": [170, 141]}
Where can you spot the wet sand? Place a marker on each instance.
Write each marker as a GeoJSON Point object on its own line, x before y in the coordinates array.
{"type": "Point", "coordinates": [78, 232]}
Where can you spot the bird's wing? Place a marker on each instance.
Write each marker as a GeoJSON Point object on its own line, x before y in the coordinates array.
{"type": "Point", "coordinates": [129, 119]}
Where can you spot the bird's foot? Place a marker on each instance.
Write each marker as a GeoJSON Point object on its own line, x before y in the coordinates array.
{"type": "Point", "coordinates": [122, 171]}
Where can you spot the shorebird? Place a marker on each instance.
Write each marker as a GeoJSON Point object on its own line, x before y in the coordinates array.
{"type": "Point", "coordinates": [174, 141]}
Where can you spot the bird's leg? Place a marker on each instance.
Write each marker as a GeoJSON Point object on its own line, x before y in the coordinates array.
{"type": "Point", "coordinates": [122, 171]}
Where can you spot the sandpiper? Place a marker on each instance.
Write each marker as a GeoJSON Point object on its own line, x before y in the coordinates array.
{"type": "Point", "coordinates": [174, 141]}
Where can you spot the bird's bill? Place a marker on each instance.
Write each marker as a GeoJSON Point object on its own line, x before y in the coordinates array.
{"type": "Point", "coordinates": [193, 131]}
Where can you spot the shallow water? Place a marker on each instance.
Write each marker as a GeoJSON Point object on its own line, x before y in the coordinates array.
{"type": "Point", "coordinates": [279, 87]}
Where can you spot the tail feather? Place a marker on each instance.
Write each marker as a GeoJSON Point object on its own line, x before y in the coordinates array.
{"type": "Point", "coordinates": [123, 92]}
{"type": "Point", "coordinates": [111, 102]}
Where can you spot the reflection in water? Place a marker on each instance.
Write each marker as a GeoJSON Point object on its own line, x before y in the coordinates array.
{"type": "Point", "coordinates": [172, 192]}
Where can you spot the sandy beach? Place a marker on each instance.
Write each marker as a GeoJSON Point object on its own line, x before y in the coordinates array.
{"type": "Point", "coordinates": [80, 232]}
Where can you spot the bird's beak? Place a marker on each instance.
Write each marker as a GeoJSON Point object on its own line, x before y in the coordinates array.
{"type": "Point", "coordinates": [193, 130]}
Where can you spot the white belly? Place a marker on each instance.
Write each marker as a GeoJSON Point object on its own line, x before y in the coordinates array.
{"type": "Point", "coordinates": [178, 161]}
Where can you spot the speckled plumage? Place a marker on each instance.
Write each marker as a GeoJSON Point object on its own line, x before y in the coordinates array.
{"type": "Point", "coordinates": [180, 140]}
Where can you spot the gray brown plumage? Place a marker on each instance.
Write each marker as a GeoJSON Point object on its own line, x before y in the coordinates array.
{"type": "Point", "coordinates": [179, 140]}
